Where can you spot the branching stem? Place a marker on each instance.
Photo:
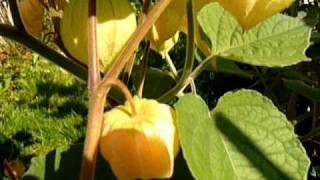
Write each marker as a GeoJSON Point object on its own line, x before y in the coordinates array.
{"type": "Point", "coordinates": [188, 66]}
{"type": "Point", "coordinates": [102, 89]}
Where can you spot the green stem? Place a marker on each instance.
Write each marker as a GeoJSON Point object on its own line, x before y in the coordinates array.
{"type": "Point", "coordinates": [202, 66]}
{"type": "Point", "coordinates": [314, 115]}
{"type": "Point", "coordinates": [313, 133]}
{"type": "Point", "coordinates": [188, 66]}
{"type": "Point", "coordinates": [198, 70]}
{"type": "Point", "coordinates": [193, 87]}
{"type": "Point", "coordinates": [171, 65]}
{"type": "Point", "coordinates": [267, 88]}
{"type": "Point", "coordinates": [144, 69]}
{"type": "Point", "coordinates": [70, 65]}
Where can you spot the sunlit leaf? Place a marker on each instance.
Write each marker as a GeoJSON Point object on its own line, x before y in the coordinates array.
{"type": "Point", "coordinates": [276, 42]}
{"type": "Point", "coordinates": [244, 137]}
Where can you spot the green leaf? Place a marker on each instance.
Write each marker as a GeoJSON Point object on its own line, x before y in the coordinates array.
{"type": "Point", "coordinates": [195, 128]}
{"type": "Point", "coordinates": [64, 163]}
{"type": "Point", "coordinates": [276, 42]}
{"type": "Point", "coordinates": [302, 88]}
{"type": "Point", "coordinates": [245, 137]}
{"type": "Point", "coordinates": [156, 83]}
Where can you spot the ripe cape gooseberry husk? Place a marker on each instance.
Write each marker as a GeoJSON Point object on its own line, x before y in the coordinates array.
{"type": "Point", "coordinates": [142, 146]}
{"type": "Point", "coordinates": [31, 13]}
{"type": "Point", "coordinates": [248, 13]}
{"type": "Point", "coordinates": [116, 22]}
{"type": "Point", "coordinates": [164, 33]}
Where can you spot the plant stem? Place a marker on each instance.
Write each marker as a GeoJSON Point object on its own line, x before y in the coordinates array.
{"type": "Point", "coordinates": [128, 69]}
{"type": "Point", "coordinates": [68, 64]}
{"type": "Point", "coordinates": [267, 88]}
{"type": "Point", "coordinates": [123, 88]}
{"type": "Point", "coordinates": [95, 113]}
{"type": "Point", "coordinates": [193, 87]}
{"type": "Point", "coordinates": [315, 115]}
{"type": "Point", "coordinates": [202, 66]}
{"type": "Point", "coordinates": [93, 62]}
{"type": "Point", "coordinates": [189, 56]}
{"type": "Point", "coordinates": [145, 60]}
{"type": "Point", "coordinates": [171, 65]}
{"type": "Point", "coordinates": [144, 68]}
{"type": "Point", "coordinates": [93, 130]}
{"type": "Point", "coordinates": [198, 70]}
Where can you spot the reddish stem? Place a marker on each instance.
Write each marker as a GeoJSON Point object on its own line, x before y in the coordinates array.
{"type": "Point", "coordinates": [97, 100]}
{"type": "Point", "coordinates": [93, 63]}
{"type": "Point", "coordinates": [89, 154]}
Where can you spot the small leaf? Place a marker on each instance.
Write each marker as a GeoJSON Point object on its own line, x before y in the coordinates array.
{"type": "Point", "coordinates": [276, 42]}
{"type": "Point", "coordinates": [156, 83]}
{"type": "Point", "coordinates": [305, 90]}
{"type": "Point", "coordinates": [245, 137]}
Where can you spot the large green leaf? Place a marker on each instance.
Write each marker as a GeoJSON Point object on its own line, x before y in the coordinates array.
{"type": "Point", "coordinates": [245, 137]}
{"type": "Point", "coordinates": [195, 128]}
{"type": "Point", "coordinates": [276, 42]}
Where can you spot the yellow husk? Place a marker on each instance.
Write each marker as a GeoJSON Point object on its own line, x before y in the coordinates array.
{"type": "Point", "coordinates": [143, 146]}
{"type": "Point", "coordinates": [116, 23]}
{"type": "Point", "coordinates": [31, 13]}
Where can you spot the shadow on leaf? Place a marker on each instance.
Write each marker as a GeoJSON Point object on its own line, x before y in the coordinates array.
{"type": "Point", "coordinates": [248, 148]}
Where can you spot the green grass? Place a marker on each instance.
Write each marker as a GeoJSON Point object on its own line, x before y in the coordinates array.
{"type": "Point", "coordinates": [42, 107]}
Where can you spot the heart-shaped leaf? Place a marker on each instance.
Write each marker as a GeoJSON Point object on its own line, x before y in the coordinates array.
{"type": "Point", "coordinates": [244, 137]}
{"type": "Point", "coordinates": [277, 42]}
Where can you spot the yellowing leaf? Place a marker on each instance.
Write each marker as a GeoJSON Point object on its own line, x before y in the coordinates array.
{"type": "Point", "coordinates": [31, 13]}
{"type": "Point", "coordinates": [251, 12]}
